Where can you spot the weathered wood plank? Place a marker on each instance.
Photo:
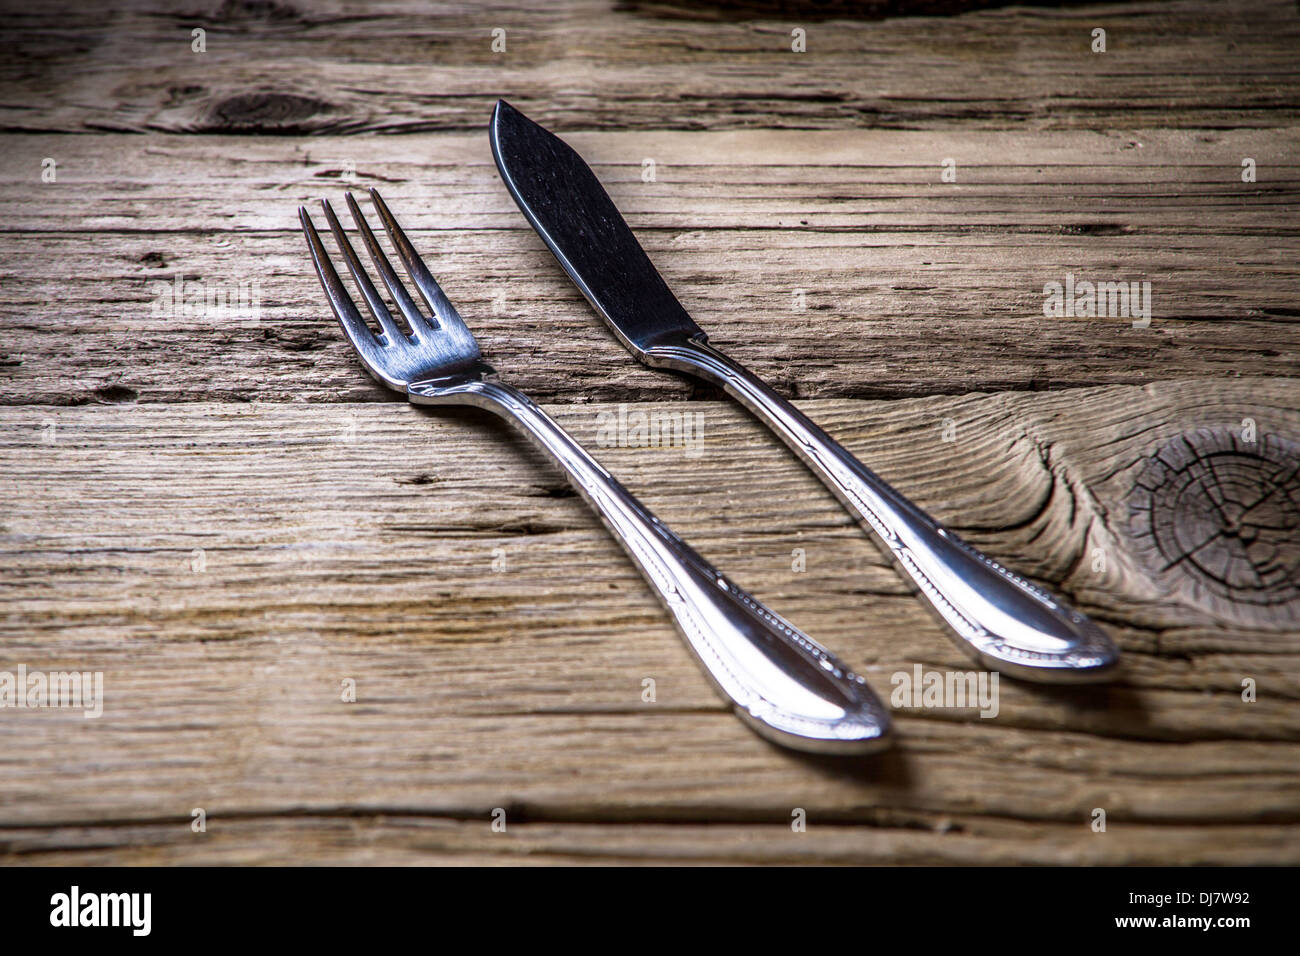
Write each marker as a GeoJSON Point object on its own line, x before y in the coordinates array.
{"type": "Point", "coordinates": [836, 264]}
{"type": "Point", "coordinates": [359, 542]}
{"type": "Point", "coordinates": [398, 840]}
{"type": "Point", "coordinates": [286, 67]}
{"type": "Point", "coordinates": [234, 527]}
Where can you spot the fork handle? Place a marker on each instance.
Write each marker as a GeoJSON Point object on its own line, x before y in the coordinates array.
{"type": "Point", "coordinates": [784, 685]}
{"type": "Point", "coordinates": [1000, 619]}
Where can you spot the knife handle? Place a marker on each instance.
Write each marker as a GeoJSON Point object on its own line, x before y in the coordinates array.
{"type": "Point", "coordinates": [788, 688]}
{"type": "Point", "coordinates": [1002, 620]}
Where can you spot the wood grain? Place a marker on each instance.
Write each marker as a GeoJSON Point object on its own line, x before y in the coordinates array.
{"type": "Point", "coordinates": [400, 67]}
{"type": "Point", "coordinates": [229, 519]}
{"type": "Point", "coordinates": [835, 264]}
{"type": "Point", "coordinates": [360, 543]}
{"type": "Point", "coordinates": [409, 840]}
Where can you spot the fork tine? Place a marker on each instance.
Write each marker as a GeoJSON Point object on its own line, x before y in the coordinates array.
{"type": "Point", "coordinates": [368, 290]}
{"type": "Point", "coordinates": [344, 308]}
{"type": "Point", "coordinates": [403, 299]}
{"type": "Point", "coordinates": [439, 305]}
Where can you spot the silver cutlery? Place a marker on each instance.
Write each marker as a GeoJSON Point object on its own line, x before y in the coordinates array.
{"type": "Point", "coordinates": [787, 687]}
{"type": "Point", "coordinates": [1002, 620]}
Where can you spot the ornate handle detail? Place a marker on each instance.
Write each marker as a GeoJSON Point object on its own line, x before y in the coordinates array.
{"type": "Point", "coordinates": [786, 686]}
{"type": "Point", "coordinates": [1005, 622]}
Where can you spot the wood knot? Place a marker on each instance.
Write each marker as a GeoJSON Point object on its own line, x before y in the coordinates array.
{"type": "Point", "coordinates": [235, 10]}
{"type": "Point", "coordinates": [264, 112]}
{"type": "Point", "coordinates": [1215, 517]}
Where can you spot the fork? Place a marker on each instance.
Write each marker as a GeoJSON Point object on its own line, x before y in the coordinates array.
{"type": "Point", "coordinates": [784, 685]}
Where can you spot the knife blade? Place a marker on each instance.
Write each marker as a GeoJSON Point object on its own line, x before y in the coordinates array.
{"type": "Point", "coordinates": [995, 615]}
{"type": "Point", "coordinates": [565, 202]}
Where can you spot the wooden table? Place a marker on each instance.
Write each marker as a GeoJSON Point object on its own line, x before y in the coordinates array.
{"type": "Point", "coordinates": [229, 520]}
